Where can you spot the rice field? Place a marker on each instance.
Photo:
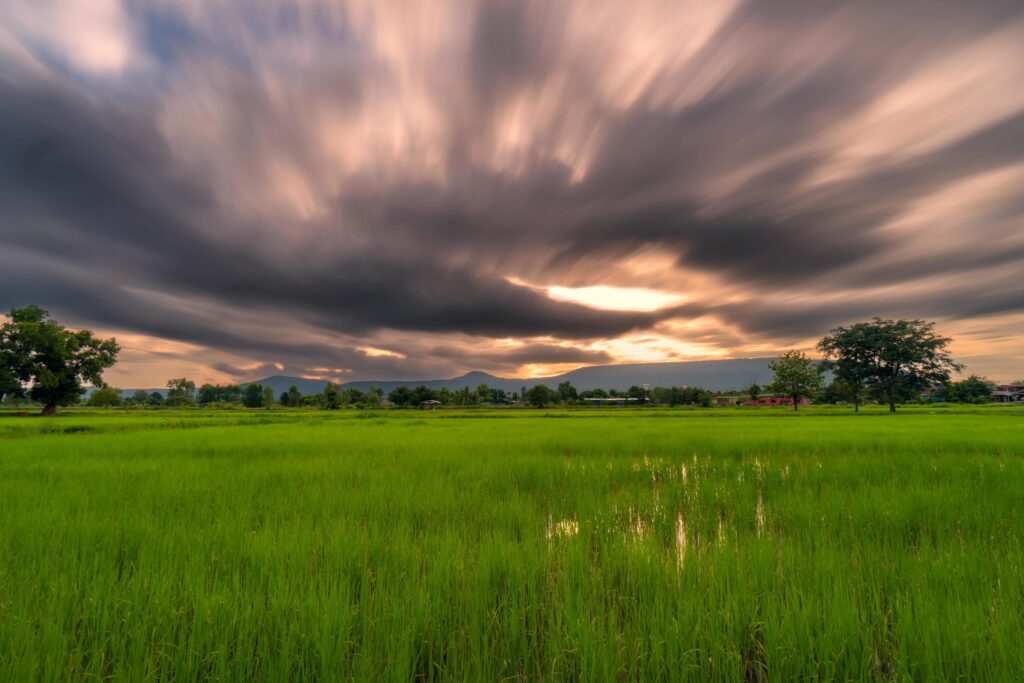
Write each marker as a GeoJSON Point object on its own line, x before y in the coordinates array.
{"type": "Point", "coordinates": [723, 545]}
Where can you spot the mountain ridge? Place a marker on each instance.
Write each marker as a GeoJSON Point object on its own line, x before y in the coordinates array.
{"type": "Point", "coordinates": [731, 374]}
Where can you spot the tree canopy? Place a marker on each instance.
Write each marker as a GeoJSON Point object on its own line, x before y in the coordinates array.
{"type": "Point", "coordinates": [974, 389]}
{"type": "Point", "coordinates": [291, 398]}
{"type": "Point", "coordinates": [674, 396]}
{"type": "Point", "coordinates": [252, 395]}
{"type": "Point", "coordinates": [216, 393]}
{"type": "Point", "coordinates": [423, 393]}
{"type": "Point", "coordinates": [400, 396]}
{"type": "Point", "coordinates": [795, 376]}
{"type": "Point", "coordinates": [540, 395]}
{"type": "Point", "coordinates": [9, 384]}
{"type": "Point", "coordinates": [51, 361]}
{"type": "Point", "coordinates": [892, 357]}
{"type": "Point", "coordinates": [841, 391]}
{"type": "Point", "coordinates": [331, 397]}
{"type": "Point", "coordinates": [106, 397]}
{"type": "Point", "coordinates": [567, 392]}
{"type": "Point", "coordinates": [181, 391]}
{"type": "Point", "coordinates": [637, 392]}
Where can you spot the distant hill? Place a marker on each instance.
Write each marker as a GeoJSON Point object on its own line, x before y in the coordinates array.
{"type": "Point", "coordinates": [719, 375]}
{"type": "Point", "coordinates": [284, 382]}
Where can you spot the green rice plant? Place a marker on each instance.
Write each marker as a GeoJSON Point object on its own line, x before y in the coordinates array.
{"type": "Point", "coordinates": [506, 545]}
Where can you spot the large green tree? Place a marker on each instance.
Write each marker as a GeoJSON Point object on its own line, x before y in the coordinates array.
{"type": "Point", "coordinates": [38, 353]}
{"type": "Point", "coordinates": [639, 393]}
{"type": "Point", "coordinates": [795, 376]}
{"type": "Point", "coordinates": [181, 391]}
{"type": "Point", "coordinates": [567, 392]}
{"type": "Point", "coordinates": [291, 398]}
{"type": "Point", "coordinates": [540, 395]}
{"type": "Point", "coordinates": [9, 383]}
{"type": "Point", "coordinates": [252, 395]}
{"type": "Point", "coordinates": [400, 396]}
{"type": "Point", "coordinates": [848, 357]}
{"type": "Point", "coordinates": [350, 396]}
{"type": "Point", "coordinates": [665, 396]}
{"type": "Point", "coordinates": [421, 394]}
{"type": "Point", "coordinates": [890, 357]}
{"type": "Point", "coordinates": [207, 394]}
{"type": "Point", "coordinates": [331, 397]}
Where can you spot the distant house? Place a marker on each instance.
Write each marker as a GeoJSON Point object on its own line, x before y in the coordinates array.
{"type": "Point", "coordinates": [727, 399]}
{"type": "Point", "coordinates": [776, 401]}
{"type": "Point", "coordinates": [429, 404]}
{"type": "Point", "coordinates": [612, 401]}
{"type": "Point", "coordinates": [1008, 393]}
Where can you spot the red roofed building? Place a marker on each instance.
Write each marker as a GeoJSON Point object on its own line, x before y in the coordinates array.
{"type": "Point", "coordinates": [776, 401]}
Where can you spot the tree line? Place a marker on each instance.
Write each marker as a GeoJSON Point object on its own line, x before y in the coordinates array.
{"type": "Point", "coordinates": [182, 392]}
{"type": "Point", "coordinates": [889, 361]}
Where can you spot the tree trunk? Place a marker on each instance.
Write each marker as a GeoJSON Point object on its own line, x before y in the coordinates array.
{"type": "Point", "coordinates": [892, 401]}
{"type": "Point", "coordinates": [49, 410]}
{"type": "Point", "coordinates": [796, 402]}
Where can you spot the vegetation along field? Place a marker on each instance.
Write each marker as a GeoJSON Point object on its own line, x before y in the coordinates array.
{"type": "Point", "coordinates": [513, 545]}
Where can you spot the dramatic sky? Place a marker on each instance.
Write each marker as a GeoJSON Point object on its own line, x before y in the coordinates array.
{"type": "Point", "coordinates": [378, 189]}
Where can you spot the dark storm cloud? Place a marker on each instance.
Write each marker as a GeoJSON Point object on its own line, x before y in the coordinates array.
{"type": "Point", "coordinates": [237, 371]}
{"type": "Point", "coordinates": [97, 188]}
{"type": "Point", "coordinates": [505, 51]}
{"type": "Point", "coordinates": [366, 173]}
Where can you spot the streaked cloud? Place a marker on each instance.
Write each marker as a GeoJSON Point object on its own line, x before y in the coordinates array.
{"type": "Point", "coordinates": [92, 37]}
{"type": "Point", "coordinates": [385, 189]}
